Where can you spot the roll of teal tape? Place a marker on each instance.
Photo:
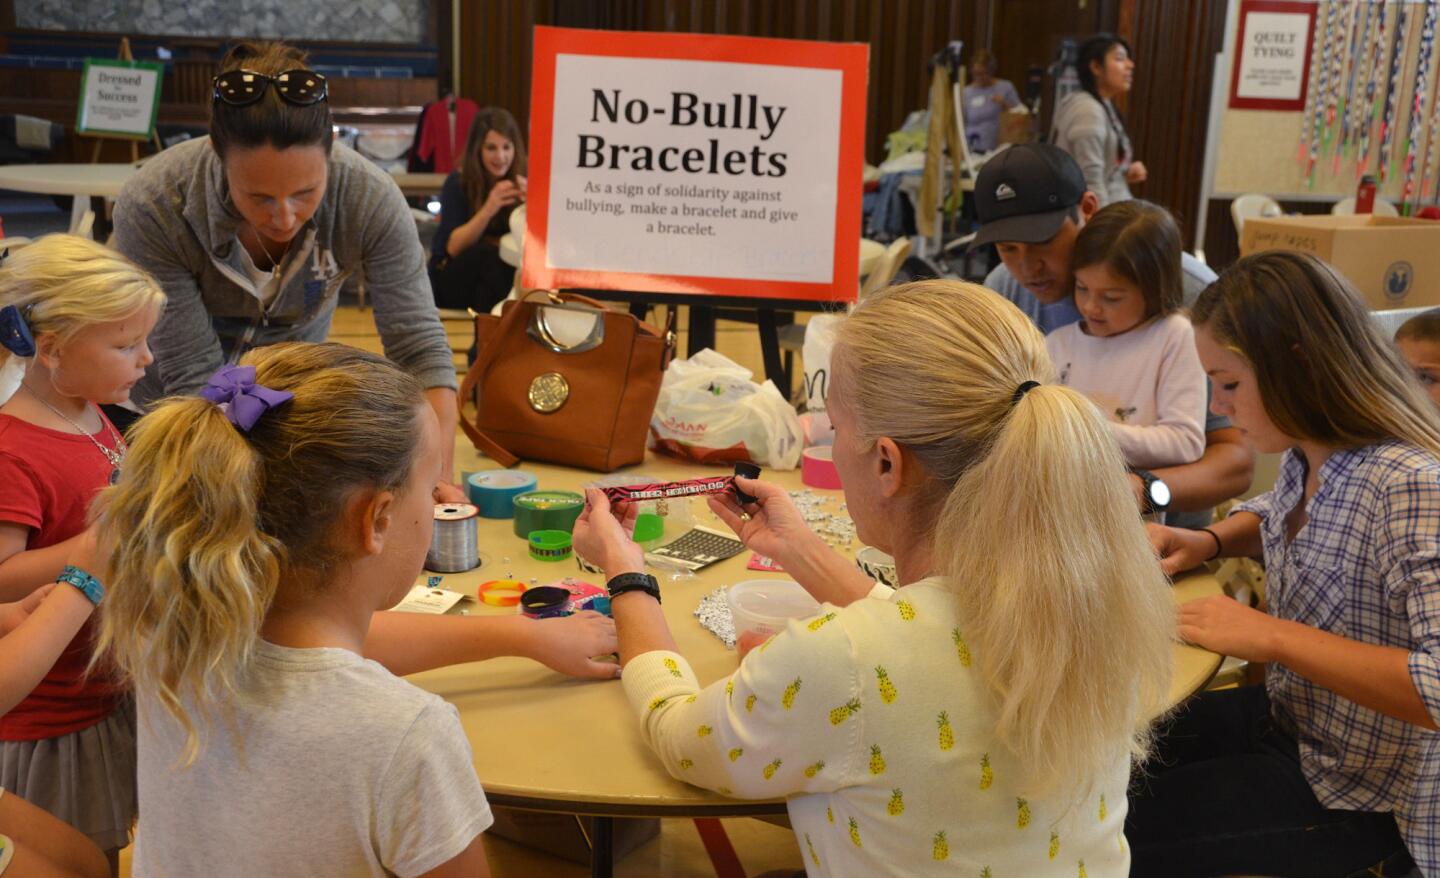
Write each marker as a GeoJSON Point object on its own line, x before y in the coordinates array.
{"type": "Point", "coordinates": [494, 491]}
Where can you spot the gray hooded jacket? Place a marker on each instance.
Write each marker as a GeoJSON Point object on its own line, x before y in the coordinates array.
{"type": "Point", "coordinates": [174, 219]}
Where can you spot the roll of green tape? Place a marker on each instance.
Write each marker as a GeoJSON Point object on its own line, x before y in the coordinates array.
{"type": "Point", "coordinates": [547, 510]}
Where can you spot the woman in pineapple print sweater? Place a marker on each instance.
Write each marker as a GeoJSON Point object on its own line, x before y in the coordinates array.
{"type": "Point", "coordinates": [982, 718]}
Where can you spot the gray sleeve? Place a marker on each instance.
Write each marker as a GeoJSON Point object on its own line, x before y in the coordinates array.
{"type": "Point", "coordinates": [1011, 96]}
{"type": "Point", "coordinates": [1084, 138]}
{"type": "Point", "coordinates": [430, 806]}
{"type": "Point", "coordinates": [187, 350]}
{"type": "Point", "coordinates": [405, 314]}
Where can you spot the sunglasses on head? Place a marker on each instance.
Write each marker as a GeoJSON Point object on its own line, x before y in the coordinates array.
{"type": "Point", "coordinates": [240, 88]}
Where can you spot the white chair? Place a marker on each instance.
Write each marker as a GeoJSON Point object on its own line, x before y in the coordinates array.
{"type": "Point", "coordinates": [1346, 207]}
{"type": "Point", "coordinates": [887, 266]}
{"type": "Point", "coordinates": [1252, 204]}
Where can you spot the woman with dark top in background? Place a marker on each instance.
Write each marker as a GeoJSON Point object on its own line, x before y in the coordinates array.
{"type": "Point", "coordinates": [475, 206]}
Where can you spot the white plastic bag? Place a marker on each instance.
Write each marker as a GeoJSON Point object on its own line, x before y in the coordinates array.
{"type": "Point", "coordinates": [709, 410]}
{"type": "Point", "coordinates": [820, 335]}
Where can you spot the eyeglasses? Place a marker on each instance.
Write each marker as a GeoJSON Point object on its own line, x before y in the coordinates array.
{"type": "Point", "coordinates": [240, 88]}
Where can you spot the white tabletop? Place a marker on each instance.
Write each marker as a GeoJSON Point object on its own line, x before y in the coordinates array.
{"type": "Point", "coordinates": [543, 741]}
{"type": "Point", "coordinates": [62, 179]}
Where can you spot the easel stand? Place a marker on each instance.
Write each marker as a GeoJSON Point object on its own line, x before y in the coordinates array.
{"type": "Point", "coordinates": [125, 55]}
{"type": "Point", "coordinates": [767, 314]}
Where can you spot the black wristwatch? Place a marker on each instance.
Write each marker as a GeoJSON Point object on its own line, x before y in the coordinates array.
{"type": "Point", "coordinates": [634, 582]}
{"type": "Point", "coordinates": [1157, 493]}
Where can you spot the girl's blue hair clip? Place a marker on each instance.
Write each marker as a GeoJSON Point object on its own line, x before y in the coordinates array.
{"type": "Point", "coordinates": [15, 332]}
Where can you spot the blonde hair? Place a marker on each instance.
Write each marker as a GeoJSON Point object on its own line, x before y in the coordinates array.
{"type": "Point", "coordinates": [1066, 611]}
{"type": "Point", "coordinates": [64, 283]}
{"type": "Point", "coordinates": [207, 522]}
{"type": "Point", "coordinates": [1324, 370]}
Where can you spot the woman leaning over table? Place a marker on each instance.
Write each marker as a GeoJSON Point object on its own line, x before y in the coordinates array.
{"type": "Point", "coordinates": [982, 717]}
{"type": "Point", "coordinates": [253, 230]}
{"type": "Point", "coordinates": [1334, 761]}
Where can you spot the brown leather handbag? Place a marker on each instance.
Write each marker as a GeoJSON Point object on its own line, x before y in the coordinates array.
{"type": "Point", "coordinates": [548, 392]}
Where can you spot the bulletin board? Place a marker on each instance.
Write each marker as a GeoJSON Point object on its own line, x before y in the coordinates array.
{"type": "Point", "coordinates": [695, 164]}
{"type": "Point", "coordinates": [1321, 150]}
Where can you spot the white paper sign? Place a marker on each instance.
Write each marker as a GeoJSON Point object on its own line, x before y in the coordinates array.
{"type": "Point", "coordinates": [1272, 56]}
{"type": "Point", "coordinates": [119, 100]}
{"type": "Point", "coordinates": [697, 168]}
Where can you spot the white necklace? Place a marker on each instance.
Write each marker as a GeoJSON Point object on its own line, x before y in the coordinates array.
{"type": "Point", "coordinates": [114, 457]}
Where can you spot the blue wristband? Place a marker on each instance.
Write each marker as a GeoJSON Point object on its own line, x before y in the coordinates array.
{"type": "Point", "coordinates": [88, 585]}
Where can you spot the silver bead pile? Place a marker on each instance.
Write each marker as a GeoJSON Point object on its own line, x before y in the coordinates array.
{"type": "Point", "coordinates": [834, 526]}
{"type": "Point", "coordinates": [714, 615]}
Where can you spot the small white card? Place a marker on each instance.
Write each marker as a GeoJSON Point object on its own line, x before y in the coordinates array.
{"type": "Point", "coordinates": [423, 599]}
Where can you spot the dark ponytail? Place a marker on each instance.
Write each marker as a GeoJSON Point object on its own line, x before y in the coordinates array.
{"type": "Point", "coordinates": [270, 121]}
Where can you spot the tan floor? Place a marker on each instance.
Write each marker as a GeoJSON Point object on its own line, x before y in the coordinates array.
{"type": "Point", "coordinates": [677, 851]}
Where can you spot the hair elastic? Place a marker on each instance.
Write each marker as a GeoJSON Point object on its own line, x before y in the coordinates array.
{"type": "Point", "coordinates": [1024, 388]}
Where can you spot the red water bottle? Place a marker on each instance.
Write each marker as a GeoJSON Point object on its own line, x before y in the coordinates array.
{"type": "Point", "coordinates": [1365, 195]}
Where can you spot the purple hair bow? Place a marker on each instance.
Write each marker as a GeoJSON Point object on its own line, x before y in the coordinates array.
{"type": "Point", "coordinates": [233, 388]}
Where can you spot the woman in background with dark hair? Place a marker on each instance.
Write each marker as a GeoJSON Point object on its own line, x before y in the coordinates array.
{"type": "Point", "coordinates": [475, 206]}
{"type": "Point", "coordinates": [252, 232]}
{"type": "Point", "coordinates": [1088, 126]}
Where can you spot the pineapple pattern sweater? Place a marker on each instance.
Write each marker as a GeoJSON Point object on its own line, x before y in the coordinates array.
{"type": "Point", "coordinates": [872, 721]}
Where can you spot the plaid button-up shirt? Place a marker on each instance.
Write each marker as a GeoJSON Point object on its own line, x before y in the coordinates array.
{"type": "Point", "coordinates": [1366, 566]}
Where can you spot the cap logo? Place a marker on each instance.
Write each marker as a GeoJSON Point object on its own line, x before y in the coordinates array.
{"type": "Point", "coordinates": [1003, 192]}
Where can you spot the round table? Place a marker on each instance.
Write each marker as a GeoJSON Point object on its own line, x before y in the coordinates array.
{"type": "Point", "coordinates": [608, 770]}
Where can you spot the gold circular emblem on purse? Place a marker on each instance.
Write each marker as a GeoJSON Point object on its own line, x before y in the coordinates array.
{"type": "Point", "coordinates": [548, 392]}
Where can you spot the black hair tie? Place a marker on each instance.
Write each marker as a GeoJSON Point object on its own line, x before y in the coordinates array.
{"type": "Point", "coordinates": [1023, 389]}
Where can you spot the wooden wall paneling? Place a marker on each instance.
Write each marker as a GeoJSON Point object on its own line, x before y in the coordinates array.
{"type": "Point", "coordinates": [1175, 46]}
{"type": "Point", "coordinates": [902, 34]}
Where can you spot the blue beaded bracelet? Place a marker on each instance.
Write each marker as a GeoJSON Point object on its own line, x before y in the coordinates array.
{"type": "Point", "coordinates": [88, 585]}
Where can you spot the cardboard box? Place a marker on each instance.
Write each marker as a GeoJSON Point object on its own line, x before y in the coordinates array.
{"type": "Point", "coordinates": [1393, 261]}
{"type": "Point", "coordinates": [1017, 126]}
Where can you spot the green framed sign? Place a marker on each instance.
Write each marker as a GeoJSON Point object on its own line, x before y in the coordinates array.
{"type": "Point", "coordinates": [119, 98]}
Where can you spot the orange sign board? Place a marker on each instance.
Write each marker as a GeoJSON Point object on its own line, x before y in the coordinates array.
{"type": "Point", "coordinates": [693, 164]}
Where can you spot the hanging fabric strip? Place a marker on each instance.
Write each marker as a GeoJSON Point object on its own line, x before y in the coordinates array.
{"type": "Point", "coordinates": [1417, 106]}
{"type": "Point", "coordinates": [1312, 97]}
{"type": "Point", "coordinates": [1372, 94]}
{"type": "Point", "coordinates": [1392, 95]}
{"type": "Point", "coordinates": [1344, 24]}
{"type": "Point", "coordinates": [1359, 37]}
{"type": "Point", "coordinates": [1432, 144]}
{"type": "Point", "coordinates": [1322, 91]}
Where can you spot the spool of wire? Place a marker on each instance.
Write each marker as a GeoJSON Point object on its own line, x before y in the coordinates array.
{"type": "Point", "coordinates": [454, 544]}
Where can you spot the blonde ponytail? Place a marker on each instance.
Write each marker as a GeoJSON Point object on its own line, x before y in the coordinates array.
{"type": "Point", "coordinates": [1066, 611]}
{"type": "Point", "coordinates": [191, 573]}
{"type": "Point", "coordinates": [208, 523]}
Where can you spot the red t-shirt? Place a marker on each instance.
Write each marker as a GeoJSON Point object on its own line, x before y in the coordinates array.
{"type": "Point", "coordinates": [47, 480]}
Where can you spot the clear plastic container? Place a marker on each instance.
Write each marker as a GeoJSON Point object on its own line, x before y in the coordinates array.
{"type": "Point", "coordinates": [765, 605]}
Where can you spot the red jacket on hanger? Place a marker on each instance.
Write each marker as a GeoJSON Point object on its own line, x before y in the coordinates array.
{"type": "Point", "coordinates": [437, 141]}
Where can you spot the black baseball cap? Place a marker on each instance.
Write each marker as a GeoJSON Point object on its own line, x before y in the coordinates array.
{"type": "Point", "coordinates": [1024, 194]}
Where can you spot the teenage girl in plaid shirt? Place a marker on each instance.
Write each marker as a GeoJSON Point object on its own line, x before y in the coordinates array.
{"type": "Point", "coordinates": [1333, 766]}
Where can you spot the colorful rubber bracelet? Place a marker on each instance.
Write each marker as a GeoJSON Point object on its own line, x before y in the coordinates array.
{"type": "Point", "coordinates": [501, 592]}
{"type": "Point", "coordinates": [545, 602]}
{"type": "Point", "coordinates": [88, 585]}
{"type": "Point", "coordinates": [550, 545]}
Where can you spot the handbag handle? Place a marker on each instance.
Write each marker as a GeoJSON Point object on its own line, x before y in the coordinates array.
{"type": "Point", "coordinates": [486, 357]}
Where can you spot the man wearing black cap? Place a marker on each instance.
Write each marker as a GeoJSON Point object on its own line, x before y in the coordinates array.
{"type": "Point", "coordinates": [1031, 200]}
